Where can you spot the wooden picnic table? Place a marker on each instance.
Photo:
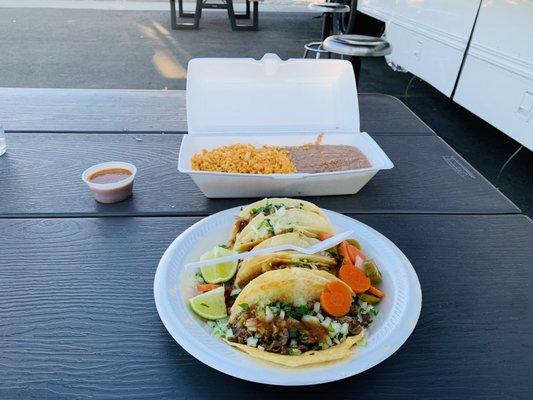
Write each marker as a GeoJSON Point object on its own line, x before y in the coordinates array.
{"type": "Point", "coordinates": [77, 314]}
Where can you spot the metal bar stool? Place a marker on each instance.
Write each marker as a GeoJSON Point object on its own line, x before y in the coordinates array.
{"type": "Point", "coordinates": [226, 5]}
{"type": "Point", "coordinates": [330, 11]}
{"type": "Point", "coordinates": [356, 47]}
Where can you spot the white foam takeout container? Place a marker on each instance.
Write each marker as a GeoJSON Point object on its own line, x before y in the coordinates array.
{"type": "Point", "coordinates": [274, 102]}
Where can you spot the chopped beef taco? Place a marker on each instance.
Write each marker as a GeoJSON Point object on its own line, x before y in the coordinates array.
{"type": "Point", "coordinates": [255, 266]}
{"type": "Point", "coordinates": [272, 206]}
{"type": "Point", "coordinates": [282, 317]}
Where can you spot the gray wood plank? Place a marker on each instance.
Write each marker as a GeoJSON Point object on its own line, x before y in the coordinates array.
{"type": "Point", "coordinates": [382, 113]}
{"type": "Point", "coordinates": [41, 176]}
{"type": "Point", "coordinates": [99, 110]}
{"type": "Point", "coordinates": [78, 319]}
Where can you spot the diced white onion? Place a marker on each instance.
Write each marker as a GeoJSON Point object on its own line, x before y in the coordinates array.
{"type": "Point", "coordinates": [282, 314]}
{"type": "Point", "coordinates": [260, 348]}
{"type": "Point", "coordinates": [326, 322]}
{"type": "Point", "coordinates": [310, 318]}
{"type": "Point", "coordinates": [294, 342]}
{"type": "Point", "coordinates": [336, 328]}
{"type": "Point", "coordinates": [269, 316]}
{"type": "Point", "coordinates": [316, 307]}
{"type": "Point", "coordinates": [328, 341]}
{"type": "Point", "coordinates": [251, 324]}
{"type": "Point", "coordinates": [281, 211]}
{"type": "Point", "coordinates": [251, 341]}
{"type": "Point", "coordinates": [320, 317]}
{"type": "Point", "coordinates": [336, 341]}
{"type": "Point", "coordinates": [229, 333]}
{"type": "Point", "coordinates": [235, 292]}
{"type": "Point", "coordinates": [344, 328]}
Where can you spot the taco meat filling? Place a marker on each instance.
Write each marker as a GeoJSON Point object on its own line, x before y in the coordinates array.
{"type": "Point", "coordinates": [286, 329]}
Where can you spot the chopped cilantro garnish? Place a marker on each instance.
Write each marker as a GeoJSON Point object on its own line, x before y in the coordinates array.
{"type": "Point", "coordinates": [296, 312]}
{"type": "Point", "coordinates": [294, 352]}
{"type": "Point", "coordinates": [266, 223]}
{"type": "Point", "coordinates": [266, 209]}
{"type": "Point", "coordinates": [244, 306]}
{"type": "Point", "coordinates": [205, 305]}
{"type": "Point", "coordinates": [224, 246]}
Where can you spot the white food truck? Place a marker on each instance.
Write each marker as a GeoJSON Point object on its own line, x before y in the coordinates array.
{"type": "Point", "coordinates": [477, 52]}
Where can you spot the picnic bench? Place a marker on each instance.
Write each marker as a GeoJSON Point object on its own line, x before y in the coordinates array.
{"type": "Point", "coordinates": [224, 5]}
{"type": "Point", "coordinates": [77, 312]}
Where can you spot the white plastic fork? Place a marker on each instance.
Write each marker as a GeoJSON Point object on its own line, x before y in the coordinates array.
{"type": "Point", "coordinates": [316, 248]}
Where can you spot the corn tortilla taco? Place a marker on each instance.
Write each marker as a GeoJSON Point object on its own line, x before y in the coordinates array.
{"type": "Point", "coordinates": [278, 317]}
{"type": "Point", "coordinates": [262, 227]}
{"type": "Point", "coordinates": [255, 266]}
{"type": "Point", "coordinates": [271, 206]}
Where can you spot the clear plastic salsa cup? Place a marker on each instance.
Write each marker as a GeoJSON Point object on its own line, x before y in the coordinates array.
{"type": "Point", "coordinates": [110, 182]}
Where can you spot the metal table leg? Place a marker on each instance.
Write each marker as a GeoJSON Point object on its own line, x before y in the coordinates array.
{"type": "Point", "coordinates": [233, 17]}
{"type": "Point", "coordinates": [185, 25]}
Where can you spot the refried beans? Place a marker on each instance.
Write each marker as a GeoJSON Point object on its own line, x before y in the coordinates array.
{"type": "Point", "coordinates": [315, 158]}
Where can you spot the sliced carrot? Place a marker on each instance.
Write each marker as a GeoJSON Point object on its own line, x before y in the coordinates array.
{"type": "Point", "coordinates": [354, 252]}
{"type": "Point", "coordinates": [376, 292]}
{"type": "Point", "coordinates": [336, 299]}
{"type": "Point", "coordinates": [342, 249]}
{"type": "Point", "coordinates": [354, 277]}
{"type": "Point", "coordinates": [324, 235]}
{"type": "Point", "coordinates": [206, 287]}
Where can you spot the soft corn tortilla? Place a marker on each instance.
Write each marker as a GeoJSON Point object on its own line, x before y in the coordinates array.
{"type": "Point", "coordinates": [286, 202]}
{"type": "Point", "coordinates": [246, 212]}
{"type": "Point", "coordinates": [255, 266]}
{"type": "Point", "coordinates": [294, 286]}
{"type": "Point", "coordinates": [289, 285]}
{"type": "Point", "coordinates": [293, 219]}
{"type": "Point", "coordinates": [309, 357]}
{"type": "Point", "coordinates": [294, 238]}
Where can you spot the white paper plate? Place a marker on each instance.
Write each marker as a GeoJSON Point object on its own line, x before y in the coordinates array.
{"type": "Point", "coordinates": [173, 285]}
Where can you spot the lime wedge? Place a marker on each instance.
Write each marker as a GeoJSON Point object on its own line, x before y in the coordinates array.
{"type": "Point", "coordinates": [210, 305]}
{"type": "Point", "coordinates": [216, 273]}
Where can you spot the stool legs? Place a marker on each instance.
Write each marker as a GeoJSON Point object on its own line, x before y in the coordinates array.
{"type": "Point", "coordinates": [356, 64]}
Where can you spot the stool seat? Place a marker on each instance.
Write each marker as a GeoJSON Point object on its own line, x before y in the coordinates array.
{"type": "Point", "coordinates": [329, 7]}
{"type": "Point", "coordinates": [357, 45]}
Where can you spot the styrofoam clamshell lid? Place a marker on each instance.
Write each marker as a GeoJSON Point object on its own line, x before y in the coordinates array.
{"type": "Point", "coordinates": [242, 95]}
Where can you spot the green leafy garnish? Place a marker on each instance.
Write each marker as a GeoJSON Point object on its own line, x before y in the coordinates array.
{"type": "Point", "coordinates": [266, 209]}
{"type": "Point", "coordinates": [266, 223]}
{"type": "Point", "coordinates": [244, 306]}
{"type": "Point", "coordinates": [199, 278]}
{"type": "Point", "coordinates": [294, 352]}
{"type": "Point", "coordinates": [205, 305]}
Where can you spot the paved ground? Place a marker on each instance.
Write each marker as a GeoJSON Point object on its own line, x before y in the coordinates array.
{"type": "Point", "coordinates": [87, 48]}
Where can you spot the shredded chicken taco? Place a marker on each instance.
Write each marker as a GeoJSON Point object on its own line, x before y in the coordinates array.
{"type": "Point", "coordinates": [270, 217]}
